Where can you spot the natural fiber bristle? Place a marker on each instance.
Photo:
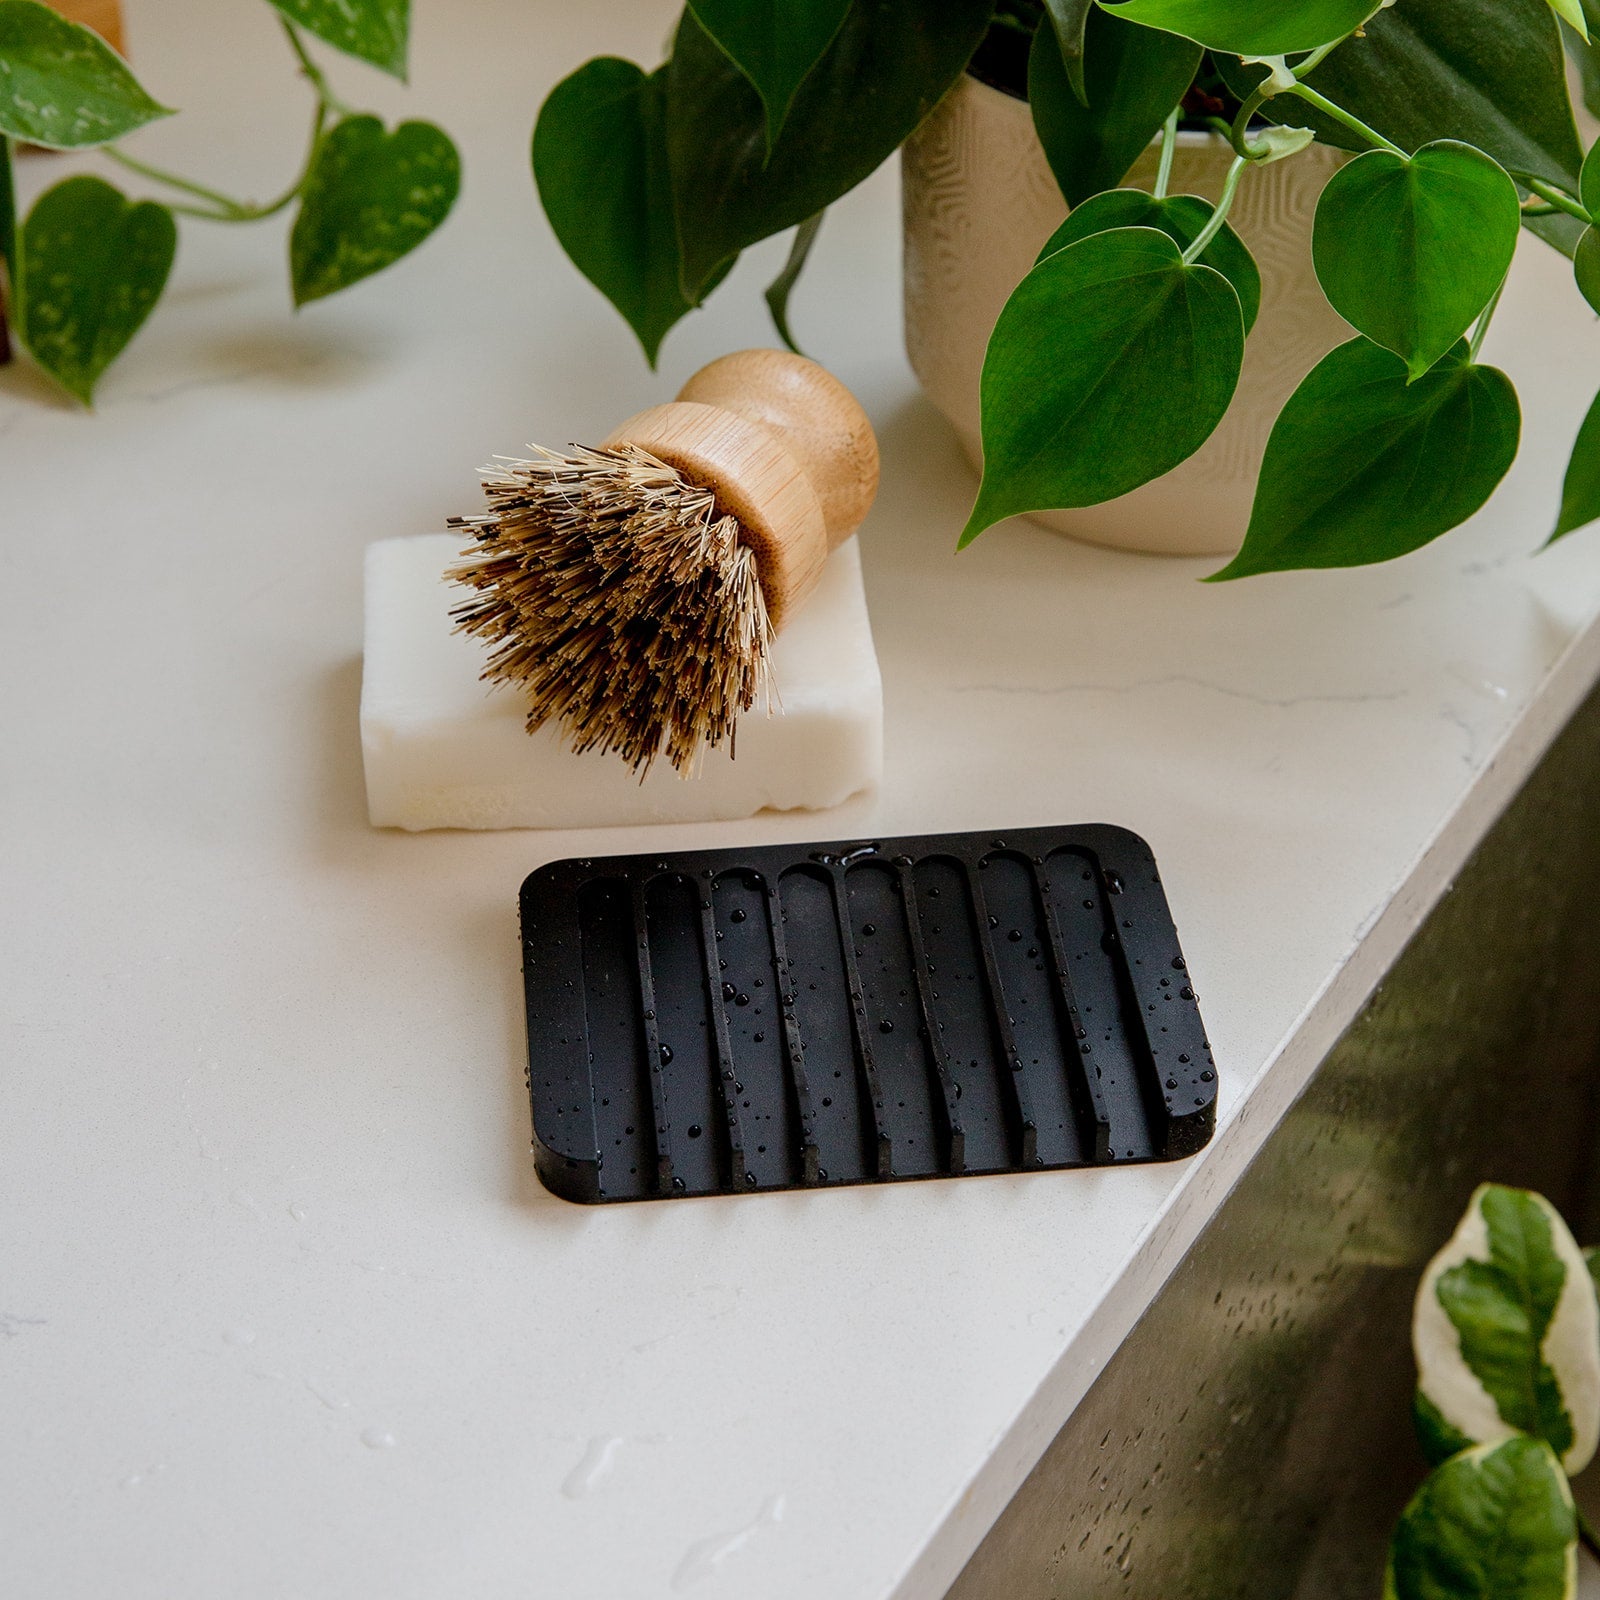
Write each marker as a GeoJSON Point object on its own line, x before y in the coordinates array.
{"type": "Point", "coordinates": [615, 596]}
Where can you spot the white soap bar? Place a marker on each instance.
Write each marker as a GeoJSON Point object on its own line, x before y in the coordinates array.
{"type": "Point", "coordinates": [445, 750]}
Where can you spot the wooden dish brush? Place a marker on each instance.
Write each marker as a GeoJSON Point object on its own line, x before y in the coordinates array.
{"type": "Point", "coordinates": [632, 591]}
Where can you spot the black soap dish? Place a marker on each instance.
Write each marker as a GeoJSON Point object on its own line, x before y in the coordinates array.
{"type": "Point", "coordinates": [793, 1016]}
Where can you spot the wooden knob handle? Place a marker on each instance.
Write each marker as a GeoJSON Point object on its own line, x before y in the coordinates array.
{"type": "Point", "coordinates": [813, 414]}
{"type": "Point", "coordinates": [787, 450]}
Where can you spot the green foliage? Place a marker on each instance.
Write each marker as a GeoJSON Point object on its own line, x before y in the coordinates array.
{"type": "Point", "coordinates": [773, 44]}
{"type": "Point", "coordinates": [1488, 72]}
{"type": "Point", "coordinates": [376, 31]}
{"type": "Point", "coordinates": [61, 85]}
{"type": "Point", "coordinates": [370, 198]}
{"type": "Point", "coordinates": [1134, 76]}
{"type": "Point", "coordinates": [1438, 1437]}
{"type": "Point", "coordinates": [1502, 1308]}
{"type": "Point", "coordinates": [1251, 28]}
{"type": "Point", "coordinates": [1181, 217]}
{"type": "Point", "coordinates": [1411, 249]}
{"type": "Point", "coordinates": [1142, 362]}
{"type": "Point", "coordinates": [1493, 1523]}
{"type": "Point", "coordinates": [1580, 495]}
{"type": "Point", "coordinates": [779, 289]}
{"type": "Point", "coordinates": [1364, 465]}
{"type": "Point", "coordinates": [600, 160]}
{"type": "Point", "coordinates": [888, 65]}
{"type": "Point", "coordinates": [92, 267]}
{"type": "Point", "coordinates": [1071, 21]}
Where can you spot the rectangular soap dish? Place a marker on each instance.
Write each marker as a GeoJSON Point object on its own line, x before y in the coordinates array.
{"type": "Point", "coordinates": [799, 1016]}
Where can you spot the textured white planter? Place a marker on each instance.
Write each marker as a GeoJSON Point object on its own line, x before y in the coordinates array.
{"type": "Point", "coordinates": [980, 201]}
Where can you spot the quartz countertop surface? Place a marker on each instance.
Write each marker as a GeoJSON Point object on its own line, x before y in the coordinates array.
{"type": "Point", "coordinates": [284, 1311]}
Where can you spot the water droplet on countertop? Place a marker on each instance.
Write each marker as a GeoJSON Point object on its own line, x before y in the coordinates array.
{"type": "Point", "coordinates": [242, 1337]}
{"type": "Point", "coordinates": [705, 1556]}
{"type": "Point", "coordinates": [377, 1439]}
{"type": "Point", "coordinates": [593, 1468]}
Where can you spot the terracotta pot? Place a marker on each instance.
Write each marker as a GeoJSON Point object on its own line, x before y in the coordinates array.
{"type": "Point", "coordinates": [980, 201]}
{"type": "Point", "coordinates": [104, 16]}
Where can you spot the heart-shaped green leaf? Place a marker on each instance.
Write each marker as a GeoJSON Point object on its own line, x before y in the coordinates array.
{"type": "Point", "coordinates": [1585, 54]}
{"type": "Point", "coordinates": [1071, 19]}
{"type": "Point", "coordinates": [1586, 267]}
{"type": "Point", "coordinates": [1252, 27]}
{"type": "Point", "coordinates": [1410, 249]}
{"type": "Point", "coordinates": [774, 43]}
{"type": "Point", "coordinates": [887, 67]}
{"type": "Point", "coordinates": [62, 85]}
{"type": "Point", "coordinates": [371, 197]}
{"type": "Point", "coordinates": [1493, 1523]}
{"type": "Point", "coordinates": [1134, 77]}
{"type": "Point", "coordinates": [1506, 1330]}
{"type": "Point", "coordinates": [600, 160]}
{"type": "Point", "coordinates": [1364, 465]}
{"type": "Point", "coordinates": [1580, 493]}
{"type": "Point", "coordinates": [376, 31]}
{"type": "Point", "coordinates": [1181, 217]}
{"type": "Point", "coordinates": [1489, 72]}
{"type": "Point", "coordinates": [92, 267]}
{"type": "Point", "coordinates": [1112, 361]}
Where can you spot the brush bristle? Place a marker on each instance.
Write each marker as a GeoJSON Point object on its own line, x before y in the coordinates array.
{"type": "Point", "coordinates": [617, 598]}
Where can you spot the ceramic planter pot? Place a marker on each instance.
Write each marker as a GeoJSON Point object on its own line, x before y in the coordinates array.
{"type": "Point", "coordinates": [979, 203]}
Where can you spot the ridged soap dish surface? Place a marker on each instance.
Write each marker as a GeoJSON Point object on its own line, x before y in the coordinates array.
{"type": "Point", "coordinates": [802, 1016]}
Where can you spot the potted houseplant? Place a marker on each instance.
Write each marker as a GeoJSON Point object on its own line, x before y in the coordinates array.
{"type": "Point", "coordinates": [1431, 131]}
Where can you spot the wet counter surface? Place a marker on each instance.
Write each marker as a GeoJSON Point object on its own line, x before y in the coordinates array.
{"type": "Point", "coordinates": [286, 1311]}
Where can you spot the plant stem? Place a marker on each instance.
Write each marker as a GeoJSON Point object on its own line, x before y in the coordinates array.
{"type": "Point", "coordinates": [1169, 147]}
{"type": "Point", "coordinates": [1587, 1536]}
{"type": "Point", "coordinates": [228, 209]}
{"type": "Point", "coordinates": [1485, 318]}
{"type": "Point", "coordinates": [1219, 216]}
{"type": "Point", "coordinates": [1238, 134]}
{"type": "Point", "coordinates": [1351, 121]}
{"type": "Point", "coordinates": [1561, 201]}
{"type": "Point", "coordinates": [173, 181]}
{"type": "Point", "coordinates": [1318, 56]}
{"type": "Point", "coordinates": [313, 72]}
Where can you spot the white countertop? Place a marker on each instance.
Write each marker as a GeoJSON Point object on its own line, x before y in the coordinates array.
{"type": "Point", "coordinates": [284, 1311]}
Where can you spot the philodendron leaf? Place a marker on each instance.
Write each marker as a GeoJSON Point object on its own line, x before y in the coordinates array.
{"type": "Point", "coordinates": [1112, 361]}
{"type": "Point", "coordinates": [1506, 1328]}
{"type": "Point", "coordinates": [1586, 267]}
{"type": "Point", "coordinates": [774, 43]}
{"type": "Point", "coordinates": [62, 85]}
{"type": "Point", "coordinates": [1134, 77]}
{"type": "Point", "coordinates": [1493, 1523]}
{"type": "Point", "coordinates": [1489, 72]}
{"type": "Point", "coordinates": [371, 197]}
{"type": "Point", "coordinates": [886, 69]}
{"type": "Point", "coordinates": [1571, 12]}
{"type": "Point", "coordinates": [779, 290]}
{"type": "Point", "coordinates": [376, 31]}
{"type": "Point", "coordinates": [1410, 249]}
{"type": "Point", "coordinates": [1250, 27]}
{"type": "Point", "coordinates": [1580, 500]}
{"type": "Point", "coordinates": [600, 160]}
{"type": "Point", "coordinates": [1181, 217]}
{"type": "Point", "coordinates": [1591, 1257]}
{"type": "Point", "coordinates": [93, 266]}
{"type": "Point", "coordinates": [1071, 19]}
{"type": "Point", "coordinates": [1586, 53]}
{"type": "Point", "coordinates": [1363, 465]}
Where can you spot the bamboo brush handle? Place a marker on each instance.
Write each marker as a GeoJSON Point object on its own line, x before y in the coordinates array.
{"type": "Point", "coordinates": [787, 450]}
